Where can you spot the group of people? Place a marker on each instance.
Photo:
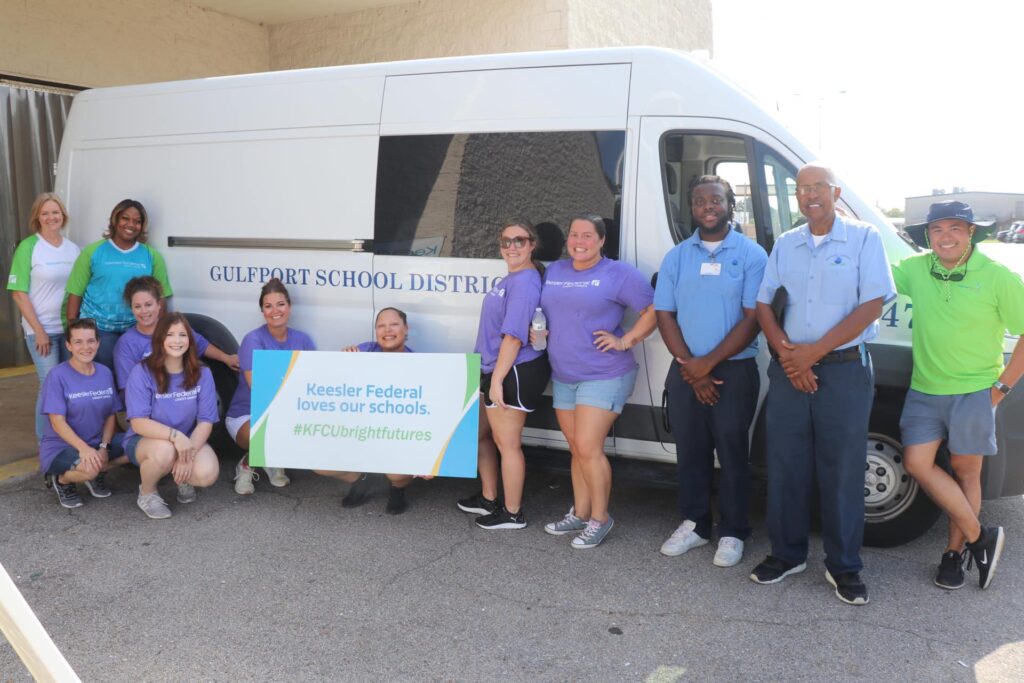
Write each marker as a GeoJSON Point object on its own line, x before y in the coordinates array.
{"type": "Point", "coordinates": [817, 298]}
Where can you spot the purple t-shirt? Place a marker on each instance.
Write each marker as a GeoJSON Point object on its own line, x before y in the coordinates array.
{"type": "Point", "coordinates": [133, 346]}
{"type": "Point", "coordinates": [178, 407]}
{"type": "Point", "coordinates": [374, 347]}
{"type": "Point", "coordinates": [508, 309]}
{"type": "Point", "coordinates": [260, 338]}
{"type": "Point", "coordinates": [85, 401]}
{"type": "Point", "coordinates": [579, 303]}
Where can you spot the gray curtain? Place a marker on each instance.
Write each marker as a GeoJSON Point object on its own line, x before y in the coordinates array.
{"type": "Point", "coordinates": [31, 126]}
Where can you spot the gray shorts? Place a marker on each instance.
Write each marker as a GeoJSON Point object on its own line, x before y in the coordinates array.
{"type": "Point", "coordinates": [967, 420]}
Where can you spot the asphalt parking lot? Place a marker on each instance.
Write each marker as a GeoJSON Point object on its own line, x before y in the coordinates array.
{"type": "Point", "coordinates": [287, 585]}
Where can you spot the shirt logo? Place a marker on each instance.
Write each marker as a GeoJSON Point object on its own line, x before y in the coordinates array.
{"type": "Point", "coordinates": [596, 283]}
{"type": "Point", "coordinates": [13, 279]}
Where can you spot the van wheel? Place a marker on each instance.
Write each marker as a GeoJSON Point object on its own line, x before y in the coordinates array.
{"type": "Point", "coordinates": [896, 509]}
{"type": "Point", "coordinates": [224, 377]}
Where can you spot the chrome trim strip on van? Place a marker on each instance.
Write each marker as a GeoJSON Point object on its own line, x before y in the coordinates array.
{"type": "Point", "coordinates": [275, 243]}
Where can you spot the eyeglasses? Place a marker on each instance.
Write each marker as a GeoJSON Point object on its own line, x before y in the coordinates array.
{"type": "Point", "coordinates": [814, 188]}
{"type": "Point", "coordinates": [948, 277]}
{"type": "Point", "coordinates": [509, 242]}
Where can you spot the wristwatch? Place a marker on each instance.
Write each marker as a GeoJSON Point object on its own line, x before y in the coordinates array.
{"type": "Point", "coordinates": [103, 446]}
{"type": "Point", "coordinates": [1004, 389]}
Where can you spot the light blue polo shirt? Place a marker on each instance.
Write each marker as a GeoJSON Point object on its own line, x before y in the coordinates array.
{"type": "Point", "coordinates": [709, 306]}
{"type": "Point", "coordinates": [825, 283]}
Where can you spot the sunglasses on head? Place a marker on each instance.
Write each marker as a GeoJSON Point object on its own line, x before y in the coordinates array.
{"type": "Point", "coordinates": [519, 242]}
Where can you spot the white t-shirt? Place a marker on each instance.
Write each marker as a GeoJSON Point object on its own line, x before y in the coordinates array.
{"type": "Point", "coordinates": [42, 270]}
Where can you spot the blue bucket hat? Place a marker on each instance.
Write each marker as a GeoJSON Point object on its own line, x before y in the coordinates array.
{"type": "Point", "coordinates": [949, 209]}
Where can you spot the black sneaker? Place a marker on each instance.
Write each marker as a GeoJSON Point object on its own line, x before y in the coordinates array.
{"type": "Point", "coordinates": [98, 487]}
{"type": "Point", "coordinates": [479, 505]}
{"type": "Point", "coordinates": [502, 519]}
{"type": "Point", "coordinates": [849, 588]}
{"type": "Point", "coordinates": [951, 571]}
{"type": "Point", "coordinates": [985, 552]}
{"type": "Point", "coordinates": [396, 501]}
{"type": "Point", "coordinates": [358, 492]}
{"type": "Point", "coordinates": [773, 570]}
{"type": "Point", "coordinates": [67, 494]}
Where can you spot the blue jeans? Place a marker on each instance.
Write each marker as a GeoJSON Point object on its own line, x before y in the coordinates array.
{"type": "Point", "coordinates": [43, 366]}
{"type": "Point", "coordinates": [700, 430]}
{"type": "Point", "coordinates": [105, 354]}
{"type": "Point", "coordinates": [821, 435]}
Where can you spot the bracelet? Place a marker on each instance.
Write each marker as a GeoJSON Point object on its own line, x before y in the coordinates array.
{"type": "Point", "coordinates": [170, 437]}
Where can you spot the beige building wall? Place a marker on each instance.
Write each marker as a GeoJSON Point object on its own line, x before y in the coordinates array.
{"type": "Point", "coordinates": [117, 42]}
{"type": "Point", "coordinates": [679, 24]}
{"type": "Point", "coordinates": [428, 28]}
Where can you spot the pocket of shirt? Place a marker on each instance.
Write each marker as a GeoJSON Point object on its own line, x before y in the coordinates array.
{"type": "Point", "coordinates": [839, 283]}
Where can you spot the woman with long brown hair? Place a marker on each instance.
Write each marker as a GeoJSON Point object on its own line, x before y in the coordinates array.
{"type": "Point", "coordinates": [171, 408]}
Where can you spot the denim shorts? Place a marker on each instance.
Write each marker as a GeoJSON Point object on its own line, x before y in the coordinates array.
{"type": "Point", "coordinates": [68, 458]}
{"type": "Point", "coordinates": [129, 447]}
{"type": "Point", "coordinates": [607, 394]}
{"type": "Point", "coordinates": [967, 420]}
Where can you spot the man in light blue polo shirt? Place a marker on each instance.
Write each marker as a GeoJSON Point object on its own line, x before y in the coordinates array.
{"type": "Point", "coordinates": [704, 302]}
{"type": "Point", "coordinates": [837, 278]}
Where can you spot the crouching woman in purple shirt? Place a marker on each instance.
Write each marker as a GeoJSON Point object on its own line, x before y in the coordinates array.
{"type": "Point", "coordinates": [171, 408]}
{"type": "Point", "coordinates": [592, 367]}
{"type": "Point", "coordinates": [79, 400]}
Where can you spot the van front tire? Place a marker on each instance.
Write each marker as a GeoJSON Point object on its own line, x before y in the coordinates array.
{"type": "Point", "coordinates": [896, 508]}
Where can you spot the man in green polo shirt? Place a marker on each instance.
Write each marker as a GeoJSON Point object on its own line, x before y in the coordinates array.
{"type": "Point", "coordinates": [964, 303]}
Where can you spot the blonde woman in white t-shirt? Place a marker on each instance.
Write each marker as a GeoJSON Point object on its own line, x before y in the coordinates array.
{"type": "Point", "coordinates": [40, 269]}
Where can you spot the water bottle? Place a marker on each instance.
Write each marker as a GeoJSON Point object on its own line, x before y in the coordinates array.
{"type": "Point", "coordinates": [539, 324]}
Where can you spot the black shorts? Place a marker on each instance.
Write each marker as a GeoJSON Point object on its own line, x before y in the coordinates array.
{"type": "Point", "coordinates": [523, 386]}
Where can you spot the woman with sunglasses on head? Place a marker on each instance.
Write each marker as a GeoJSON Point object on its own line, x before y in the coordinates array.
{"type": "Point", "coordinates": [275, 335]}
{"type": "Point", "coordinates": [39, 272]}
{"type": "Point", "coordinates": [79, 403]}
{"type": "Point", "coordinates": [171, 405]}
{"type": "Point", "coordinates": [585, 298]}
{"type": "Point", "coordinates": [96, 285]}
{"type": "Point", "coordinates": [513, 377]}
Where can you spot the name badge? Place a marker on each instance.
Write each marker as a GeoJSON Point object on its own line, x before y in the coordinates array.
{"type": "Point", "coordinates": [711, 269]}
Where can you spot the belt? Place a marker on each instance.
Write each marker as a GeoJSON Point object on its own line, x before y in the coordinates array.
{"type": "Point", "coordinates": [841, 356]}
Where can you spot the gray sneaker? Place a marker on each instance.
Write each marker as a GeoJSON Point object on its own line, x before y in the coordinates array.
{"type": "Point", "coordinates": [153, 505]}
{"type": "Point", "coordinates": [98, 487]}
{"type": "Point", "coordinates": [567, 525]}
{"type": "Point", "coordinates": [186, 493]}
{"type": "Point", "coordinates": [592, 536]}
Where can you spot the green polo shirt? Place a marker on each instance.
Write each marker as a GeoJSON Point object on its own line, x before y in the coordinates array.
{"type": "Point", "coordinates": [958, 344]}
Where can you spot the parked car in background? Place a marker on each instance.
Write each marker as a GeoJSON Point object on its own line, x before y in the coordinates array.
{"type": "Point", "coordinates": [1014, 233]}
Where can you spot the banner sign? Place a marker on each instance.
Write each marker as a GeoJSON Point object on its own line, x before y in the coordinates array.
{"type": "Point", "coordinates": [397, 413]}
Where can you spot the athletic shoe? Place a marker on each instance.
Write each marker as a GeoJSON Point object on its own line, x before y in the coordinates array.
{"type": "Point", "coordinates": [567, 525]}
{"type": "Point", "coordinates": [244, 476]}
{"type": "Point", "coordinates": [396, 501]}
{"type": "Point", "coordinates": [67, 494]}
{"type": "Point", "coordinates": [684, 538]}
{"type": "Point", "coordinates": [986, 551]}
{"type": "Point", "coordinates": [358, 492]}
{"type": "Point", "coordinates": [277, 477]}
{"type": "Point", "coordinates": [478, 505]}
{"type": "Point", "coordinates": [849, 588]}
{"type": "Point", "coordinates": [951, 570]}
{"type": "Point", "coordinates": [186, 493]}
{"type": "Point", "coordinates": [592, 536]}
{"type": "Point", "coordinates": [98, 487]}
{"type": "Point", "coordinates": [773, 570]}
{"type": "Point", "coordinates": [729, 553]}
{"type": "Point", "coordinates": [153, 505]}
{"type": "Point", "coordinates": [502, 519]}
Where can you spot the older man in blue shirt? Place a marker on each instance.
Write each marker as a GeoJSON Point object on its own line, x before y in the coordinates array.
{"type": "Point", "coordinates": [837, 278]}
{"type": "Point", "coordinates": [704, 301]}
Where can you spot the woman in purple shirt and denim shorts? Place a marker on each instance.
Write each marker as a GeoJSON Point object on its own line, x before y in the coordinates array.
{"type": "Point", "coordinates": [593, 370]}
{"type": "Point", "coordinates": [513, 377]}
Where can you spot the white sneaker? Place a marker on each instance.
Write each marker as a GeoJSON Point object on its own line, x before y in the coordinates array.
{"type": "Point", "coordinates": [277, 476]}
{"type": "Point", "coordinates": [243, 480]}
{"type": "Point", "coordinates": [682, 539]}
{"type": "Point", "coordinates": [153, 505]}
{"type": "Point", "coordinates": [730, 552]}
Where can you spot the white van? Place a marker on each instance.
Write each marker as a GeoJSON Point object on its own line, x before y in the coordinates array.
{"type": "Point", "coordinates": [382, 185]}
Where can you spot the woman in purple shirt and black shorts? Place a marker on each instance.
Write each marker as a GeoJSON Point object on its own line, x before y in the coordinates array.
{"type": "Point", "coordinates": [513, 377]}
{"type": "Point", "coordinates": [593, 370]}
